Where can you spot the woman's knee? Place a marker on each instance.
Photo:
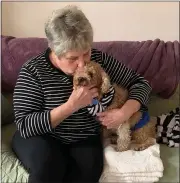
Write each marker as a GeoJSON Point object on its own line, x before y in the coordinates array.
{"type": "Point", "coordinates": [40, 157]}
{"type": "Point", "coordinates": [48, 169]}
{"type": "Point", "coordinates": [32, 152]}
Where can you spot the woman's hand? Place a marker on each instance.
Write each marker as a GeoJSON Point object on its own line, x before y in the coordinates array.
{"type": "Point", "coordinates": [82, 97]}
{"type": "Point", "coordinates": [115, 117]}
{"type": "Point", "coordinates": [112, 118]}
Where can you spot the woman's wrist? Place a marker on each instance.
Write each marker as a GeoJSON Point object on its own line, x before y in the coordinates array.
{"type": "Point", "coordinates": [60, 113]}
{"type": "Point", "coordinates": [130, 107]}
{"type": "Point", "coordinates": [71, 106]}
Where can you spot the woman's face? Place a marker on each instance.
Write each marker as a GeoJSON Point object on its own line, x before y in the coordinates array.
{"type": "Point", "coordinates": [71, 61]}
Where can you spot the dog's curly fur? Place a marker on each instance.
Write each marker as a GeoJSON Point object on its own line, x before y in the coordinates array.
{"type": "Point", "coordinates": [93, 74]}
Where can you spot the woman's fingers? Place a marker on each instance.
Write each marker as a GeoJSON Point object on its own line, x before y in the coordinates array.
{"type": "Point", "coordinates": [94, 92]}
{"type": "Point", "coordinates": [102, 114]}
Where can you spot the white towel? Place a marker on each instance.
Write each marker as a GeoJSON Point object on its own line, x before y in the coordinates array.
{"type": "Point", "coordinates": [132, 166]}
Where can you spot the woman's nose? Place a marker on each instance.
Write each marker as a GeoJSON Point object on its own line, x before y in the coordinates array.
{"type": "Point", "coordinates": [81, 64]}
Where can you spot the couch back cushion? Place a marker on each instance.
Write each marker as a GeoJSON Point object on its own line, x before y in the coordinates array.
{"type": "Point", "coordinates": [15, 52]}
{"type": "Point", "coordinates": [157, 61]}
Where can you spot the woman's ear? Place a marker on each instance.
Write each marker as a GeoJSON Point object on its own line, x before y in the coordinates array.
{"type": "Point", "coordinates": [106, 84]}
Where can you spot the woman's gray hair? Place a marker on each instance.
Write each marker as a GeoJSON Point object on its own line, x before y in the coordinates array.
{"type": "Point", "coordinates": [68, 29]}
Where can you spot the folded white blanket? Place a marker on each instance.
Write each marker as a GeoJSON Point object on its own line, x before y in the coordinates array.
{"type": "Point", "coordinates": [132, 166]}
{"type": "Point", "coordinates": [109, 178]}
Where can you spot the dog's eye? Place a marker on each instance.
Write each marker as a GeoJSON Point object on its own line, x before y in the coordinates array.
{"type": "Point", "coordinates": [91, 74]}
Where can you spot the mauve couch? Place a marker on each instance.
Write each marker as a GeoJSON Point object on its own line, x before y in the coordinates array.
{"type": "Point", "coordinates": [157, 61]}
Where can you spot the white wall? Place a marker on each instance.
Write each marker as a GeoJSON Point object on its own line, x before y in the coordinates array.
{"type": "Point", "coordinates": [110, 20]}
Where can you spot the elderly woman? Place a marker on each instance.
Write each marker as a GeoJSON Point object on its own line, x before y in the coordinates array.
{"type": "Point", "coordinates": [56, 139]}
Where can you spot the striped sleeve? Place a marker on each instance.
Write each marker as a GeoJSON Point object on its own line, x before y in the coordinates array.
{"type": "Point", "coordinates": [139, 88]}
{"type": "Point", "coordinates": [28, 102]}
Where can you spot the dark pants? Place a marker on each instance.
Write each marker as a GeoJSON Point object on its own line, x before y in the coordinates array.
{"type": "Point", "coordinates": [48, 160]}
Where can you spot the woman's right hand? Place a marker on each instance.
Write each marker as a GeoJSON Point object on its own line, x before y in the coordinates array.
{"type": "Point", "coordinates": [82, 97]}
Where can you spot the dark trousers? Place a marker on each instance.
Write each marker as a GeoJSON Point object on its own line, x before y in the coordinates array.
{"type": "Point", "coordinates": [48, 160]}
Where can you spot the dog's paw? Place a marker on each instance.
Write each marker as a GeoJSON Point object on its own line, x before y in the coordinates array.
{"type": "Point", "coordinates": [138, 148]}
{"type": "Point", "coordinates": [121, 148]}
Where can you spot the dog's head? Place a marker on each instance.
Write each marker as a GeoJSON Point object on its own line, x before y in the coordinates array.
{"type": "Point", "coordinates": [92, 74]}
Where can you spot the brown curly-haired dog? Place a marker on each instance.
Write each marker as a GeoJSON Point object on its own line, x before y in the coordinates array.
{"type": "Point", "coordinates": [93, 74]}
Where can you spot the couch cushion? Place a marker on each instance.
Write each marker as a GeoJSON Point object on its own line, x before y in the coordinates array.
{"type": "Point", "coordinates": [170, 158]}
{"type": "Point", "coordinates": [15, 52]}
{"type": "Point", "coordinates": [158, 105]}
{"type": "Point", "coordinates": [13, 171]}
{"type": "Point", "coordinates": [11, 168]}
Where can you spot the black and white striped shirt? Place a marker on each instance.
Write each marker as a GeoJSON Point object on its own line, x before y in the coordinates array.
{"type": "Point", "coordinates": [100, 106]}
{"type": "Point", "coordinates": [41, 87]}
{"type": "Point", "coordinates": [168, 128]}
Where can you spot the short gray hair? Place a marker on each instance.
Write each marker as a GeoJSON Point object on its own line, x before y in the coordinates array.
{"type": "Point", "coordinates": [68, 29]}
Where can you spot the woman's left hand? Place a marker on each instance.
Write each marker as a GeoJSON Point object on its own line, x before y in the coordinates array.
{"type": "Point", "coordinates": [112, 118]}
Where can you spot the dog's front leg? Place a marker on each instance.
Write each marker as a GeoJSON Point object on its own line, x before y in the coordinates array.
{"type": "Point", "coordinates": [124, 137]}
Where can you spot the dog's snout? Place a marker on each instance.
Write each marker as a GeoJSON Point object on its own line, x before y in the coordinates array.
{"type": "Point", "coordinates": [81, 79]}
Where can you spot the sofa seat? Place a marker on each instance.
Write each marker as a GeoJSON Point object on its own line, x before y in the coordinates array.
{"type": "Point", "coordinates": [11, 168]}
{"type": "Point", "coordinates": [13, 171]}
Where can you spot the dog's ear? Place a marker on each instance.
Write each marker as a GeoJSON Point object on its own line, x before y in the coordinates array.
{"type": "Point", "coordinates": [106, 84]}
